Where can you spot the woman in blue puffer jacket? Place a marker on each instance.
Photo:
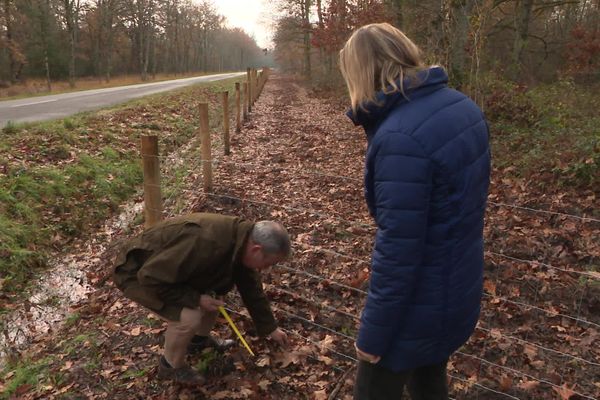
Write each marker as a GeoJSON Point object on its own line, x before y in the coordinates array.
{"type": "Point", "coordinates": [427, 173]}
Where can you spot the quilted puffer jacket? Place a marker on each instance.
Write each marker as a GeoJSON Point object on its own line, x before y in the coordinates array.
{"type": "Point", "coordinates": [426, 182]}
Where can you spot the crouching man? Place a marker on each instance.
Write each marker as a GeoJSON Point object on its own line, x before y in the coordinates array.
{"type": "Point", "coordinates": [181, 268]}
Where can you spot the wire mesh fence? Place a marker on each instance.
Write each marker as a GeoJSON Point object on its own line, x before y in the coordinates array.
{"type": "Point", "coordinates": [491, 338]}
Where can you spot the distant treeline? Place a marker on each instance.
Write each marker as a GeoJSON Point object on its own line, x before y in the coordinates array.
{"type": "Point", "coordinates": [59, 39]}
{"type": "Point", "coordinates": [523, 40]}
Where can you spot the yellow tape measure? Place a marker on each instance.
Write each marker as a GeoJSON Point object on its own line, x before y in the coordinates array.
{"type": "Point", "coordinates": [235, 329]}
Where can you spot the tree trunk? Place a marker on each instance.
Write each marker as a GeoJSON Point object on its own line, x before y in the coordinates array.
{"type": "Point", "coordinates": [306, 38]}
{"type": "Point", "coordinates": [16, 58]}
{"type": "Point", "coordinates": [71, 16]}
{"type": "Point", "coordinates": [461, 11]}
{"type": "Point", "coordinates": [109, 42]}
{"type": "Point", "coordinates": [44, 30]}
{"type": "Point", "coordinates": [522, 21]}
{"type": "Point", "coordinates": [396, 7]}
{"type": "Point", "coordinates": [72, 61]}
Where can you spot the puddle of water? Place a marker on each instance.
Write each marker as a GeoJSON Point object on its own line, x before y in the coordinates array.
{"type": "Point", "coordinates": [61, 286]}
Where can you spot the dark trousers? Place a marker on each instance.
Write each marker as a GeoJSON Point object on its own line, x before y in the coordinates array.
{"type": "Point", "coordinates": [374, 382]}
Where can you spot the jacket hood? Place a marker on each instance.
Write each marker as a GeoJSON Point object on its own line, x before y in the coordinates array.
{"type": "Point", "coordinates": [371, 113]}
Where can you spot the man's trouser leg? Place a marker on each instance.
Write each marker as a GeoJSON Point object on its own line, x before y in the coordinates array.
{"type": "Point", "coordinates": [179, 334]}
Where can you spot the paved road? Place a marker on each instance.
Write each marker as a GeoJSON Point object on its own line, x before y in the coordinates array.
{"type": "Point", "coordinates": [62, 105]}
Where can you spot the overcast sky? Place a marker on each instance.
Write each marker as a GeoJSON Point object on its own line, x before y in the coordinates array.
{"type": "Point", "coordinates": [253, 16]}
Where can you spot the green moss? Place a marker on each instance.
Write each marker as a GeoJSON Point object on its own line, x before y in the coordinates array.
{"type": "Point", "coordinates": [24, 373]}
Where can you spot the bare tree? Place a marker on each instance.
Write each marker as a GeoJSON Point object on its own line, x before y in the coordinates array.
{"type": "Point", "coordinates": [70, 10]}
{"type": "Point", "coordinates": [140, 17]}
{"type": "Point", "coordinates": [460, 31]}
{"type": "Point", "coordinates": [523, 10]}
{"type": "Point", "coordinates": [17, 59]}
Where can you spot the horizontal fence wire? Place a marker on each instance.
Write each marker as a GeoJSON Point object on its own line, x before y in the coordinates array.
{"type": "Point", "coordinates": [354, 359]}
{"type": "Point", "coordinates": [521, 373]}
{"type": "Point", "coordinates": [560, 353]}
{"type": "Point", "coordinates": [537, 210]}
{"type": "Point", "coordinates": [295, 170]}
{"type": "Point", "coordinates": [541, 380]}
{"type": "Point", "coordinates": [318, 249]}
{"type": "Point", "coordinates": [314, 342]}
{"type": "Point", "coordinates": [542, 264]}
{"type": "Point", "coordinates": [521, 304]}
{"type": "Point", "coordinates": [490, 331]}
{"type": "Point", "coordinates": [294, 209]}
{"type": "Point", "coordinates": [322, 279]}
{"type": "Point", "coordinates": [353, 223]}
{"type": "Point", "coordinates": [512, 370]}
{"type": "Point", "coordinates": [479, 385]}
{"type": "Point", "coordinates": [360, 180]}
{"type": "Point", "coordinates": [370, 226]}
{"type": "Point", "coordinates": [543, 310]}
{"type": "Point", "coordinates": [217, 161]}
{"type": "Point", "coordinates": [318, 304]}
{"type": "Point", "coordinates": [307, 339]}
{"type": "Point", "coordinates": [321, 327]}
{"type": "Point", "coordinates": [308, 321]}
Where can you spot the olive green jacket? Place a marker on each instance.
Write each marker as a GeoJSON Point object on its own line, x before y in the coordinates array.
{"type": "Point", "coordinates": [172, 263]}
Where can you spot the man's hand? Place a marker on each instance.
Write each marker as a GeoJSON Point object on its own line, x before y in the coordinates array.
{"type": "Point", "coordinates": [209, 303]}
{"type": "Point", "coordinates": [370, 358]}
{"type": "Point", "coordinates": [279, 336]}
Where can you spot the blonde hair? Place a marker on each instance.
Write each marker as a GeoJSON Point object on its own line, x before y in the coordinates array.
{"type": "Point", "coordinates": [376, 57]}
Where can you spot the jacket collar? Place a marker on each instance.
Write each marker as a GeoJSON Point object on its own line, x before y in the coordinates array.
{"type": "Point", "coordinates": [372, 113]}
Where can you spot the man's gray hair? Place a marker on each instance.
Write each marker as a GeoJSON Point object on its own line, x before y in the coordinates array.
{"type": "Point", "coordinates": [273, 238]}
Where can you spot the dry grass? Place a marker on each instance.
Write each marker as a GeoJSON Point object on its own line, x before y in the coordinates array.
{"type": "Point", "coordinates": [38, 86]}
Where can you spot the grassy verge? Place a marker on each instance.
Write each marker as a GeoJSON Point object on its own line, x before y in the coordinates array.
{"type": "Point", "coordinates": [548, 135]}
{"type": "Point", "coordinates": [61, 179]}
{"type": "Point", "coordinates": [38, 87]}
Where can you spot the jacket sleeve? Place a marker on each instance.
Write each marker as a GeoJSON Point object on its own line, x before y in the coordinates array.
{"type": "Point", "coordinates": [401, 181]}
{"type": "Point", "coordinates": [167, 272]}
{"type": "Point", "coordinates": [249, 285]}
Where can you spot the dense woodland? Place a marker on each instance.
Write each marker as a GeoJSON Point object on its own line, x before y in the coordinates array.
{"type": "Point", "coordinates": [67, 39]}
{"type": "Point", "coordinates": [525, 40]}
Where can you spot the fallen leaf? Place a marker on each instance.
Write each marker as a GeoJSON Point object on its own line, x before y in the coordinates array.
{"type": "Point", "coordinates": [528, 385]}
{"type": "Point", "coordinates": [565, 392]}
{"type": "Point", "coordinates": [263, 361]}
{"type": "Point", "coordinates": [264, 384]}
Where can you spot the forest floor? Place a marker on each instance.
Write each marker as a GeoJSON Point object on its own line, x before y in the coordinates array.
{"type": "Point", "coordinates": [299, 160]}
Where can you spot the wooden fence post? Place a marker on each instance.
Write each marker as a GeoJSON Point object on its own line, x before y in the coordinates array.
{"type": "Point", "coordinates": [245, 90]}
{"type": "Point", "coordinates": [225, 102]}
{"type": "Point", "coordinates": [205, 146]}
{"type": "Point", "coordinates": [254, 86]}
{"type": "Point", "coordinates": [257, 84]}
{"type": "Point", "coordinates": [152, 195]}
{"type": "Point", "coordinates": [249, 79]}
{"type": "Point", "coordinates": [238, 111]}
